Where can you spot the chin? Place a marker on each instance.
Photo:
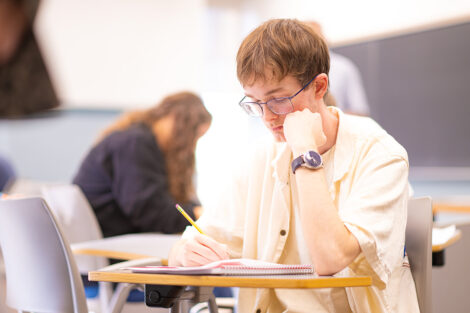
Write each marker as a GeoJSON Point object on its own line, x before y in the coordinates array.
{"type": "Point", "coordinates": [279, 137]}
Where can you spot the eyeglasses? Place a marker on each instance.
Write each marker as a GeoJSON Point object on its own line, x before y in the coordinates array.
{"type": "Point", "coordinates": [277, 105]}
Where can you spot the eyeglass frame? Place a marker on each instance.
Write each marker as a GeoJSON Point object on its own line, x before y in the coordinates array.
{"type": "Point", "coordinates": [276, 99]}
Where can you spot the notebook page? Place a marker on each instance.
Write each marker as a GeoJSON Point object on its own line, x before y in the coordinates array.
{"type": "Point", "coordinates": [239, 267]}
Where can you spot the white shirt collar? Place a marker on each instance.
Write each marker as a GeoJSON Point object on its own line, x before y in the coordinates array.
{"type": "Point", "coordinates": [344, 151]}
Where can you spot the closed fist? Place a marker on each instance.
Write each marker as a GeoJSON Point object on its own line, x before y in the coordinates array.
{"type": "Point", "coordinates": [303, 130]}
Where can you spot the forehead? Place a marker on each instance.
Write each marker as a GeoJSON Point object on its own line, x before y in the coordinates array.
{"type": "Point", "coordinates": [263, 87]}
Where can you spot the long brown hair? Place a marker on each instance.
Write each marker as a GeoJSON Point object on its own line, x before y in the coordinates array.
{"type": "Point", "coordinates": [189, 114]}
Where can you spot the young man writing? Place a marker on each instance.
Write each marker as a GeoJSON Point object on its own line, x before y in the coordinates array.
{"type": "Point", "coordinates": [331, 191]}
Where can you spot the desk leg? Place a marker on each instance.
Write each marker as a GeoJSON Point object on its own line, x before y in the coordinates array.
{"type": "Point", "coordinates": [184, 304]}
{"type": "Point", "coordinates": [212, 305]}
{"type": "Point", "coordinates": [180, 306]}
{"type": "Point", "coordinates": [438, 258]}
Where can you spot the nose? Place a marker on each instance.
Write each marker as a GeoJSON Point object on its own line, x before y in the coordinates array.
{"type": "Point", "coordinates": [268, 115]}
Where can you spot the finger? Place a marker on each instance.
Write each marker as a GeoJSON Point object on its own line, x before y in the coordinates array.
{"type": "Point", "coordinates": [194, 259]}
{"type": "Point", "coordinates": [190, 256]}
{"type": "Point", "coordinates": [219, 249]}
{"type": "Point", "coordinates": [204, 251]}
{"type": "Point", "coordinates": [198, 258]}
{"type": "Point", "coordinates": [215, 248]}
{"type": "Point", "coordinates": [206, 258]}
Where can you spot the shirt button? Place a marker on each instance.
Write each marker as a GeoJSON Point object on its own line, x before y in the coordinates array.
{"type": "Point", "coordinates": [283, 232]}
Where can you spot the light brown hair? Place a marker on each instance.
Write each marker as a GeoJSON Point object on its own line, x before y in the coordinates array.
{"type": "Point", "coordinates": [282, 47]}
{"type": "Point", "coordinates": [189, 114]}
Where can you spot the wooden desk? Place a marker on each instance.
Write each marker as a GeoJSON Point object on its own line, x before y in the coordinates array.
{"type": "Point", "coordinates": [129, 246]}
{"type": "Point", "coordinates": [159, 284]}
{"type": "Point", "coordinates": [111, 254]}
{"type": "Point", "coordinates": [456, 204]}
{"type": "Point", "coordinates": [450, 206]}
{"type": "Point", "coordinates": [279, 281]}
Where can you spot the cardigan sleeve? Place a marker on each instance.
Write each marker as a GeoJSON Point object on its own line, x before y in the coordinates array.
{"type": "Point", "coordinates": [140, 187]}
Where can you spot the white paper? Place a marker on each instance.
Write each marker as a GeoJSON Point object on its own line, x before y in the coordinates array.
{"type": "Point", "coordinates": [443, 234]}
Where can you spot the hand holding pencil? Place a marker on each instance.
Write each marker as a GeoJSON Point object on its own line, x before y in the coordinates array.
{"type": "Point", "coordinates": [199, 249]}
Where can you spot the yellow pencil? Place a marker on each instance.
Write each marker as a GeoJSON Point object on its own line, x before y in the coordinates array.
{"type": "Point", "coordinates": [188, 218]}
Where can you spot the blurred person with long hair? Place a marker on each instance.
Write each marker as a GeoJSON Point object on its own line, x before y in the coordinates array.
{"type": "Point", "coordinates": [143, 164]}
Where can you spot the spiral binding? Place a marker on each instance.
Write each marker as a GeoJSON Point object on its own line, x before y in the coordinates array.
{"type": "Point", "coordinates": [266, 270]}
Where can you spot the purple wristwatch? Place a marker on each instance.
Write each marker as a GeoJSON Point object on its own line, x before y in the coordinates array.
{"type": "Point", "coordinates": [310, 159]}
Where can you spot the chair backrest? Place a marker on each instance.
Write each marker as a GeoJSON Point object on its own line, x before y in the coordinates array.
{"type": "Point", "coordinates": [40, 270]}
{"type": "Point", "coordinates": [419, 248]}
{"type": "Point", "coordinates": [7, 173]}
{"type": "Point", "coordinates": [77, 219]}
{"type": "Point", "coordinates": [72, 209]}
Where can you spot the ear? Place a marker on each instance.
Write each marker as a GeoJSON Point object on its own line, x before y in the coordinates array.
{"type": "Point", "coordinates": [321, 85]}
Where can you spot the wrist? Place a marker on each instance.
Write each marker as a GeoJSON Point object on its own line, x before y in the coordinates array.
{"type": "Point", "coordinates": [301, 149]}
{"type": "Point", "coordinates": [310, 159]}
{"type": "Point", "coordinates": [176, 253]}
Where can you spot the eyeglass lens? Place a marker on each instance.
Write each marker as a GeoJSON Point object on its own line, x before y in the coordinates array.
{"type": "Point", "coordinates": [277, 106]}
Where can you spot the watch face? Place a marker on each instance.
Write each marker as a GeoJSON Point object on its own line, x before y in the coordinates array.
{"type": "Point", "coordinates": [312, 159]}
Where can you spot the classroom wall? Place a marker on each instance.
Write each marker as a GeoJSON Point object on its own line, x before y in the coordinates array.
{"type": "Point", "coordinates": [50, 146]}
{"type": "Point", "coordinates": [128, 53]}
{"type": "Point", "coordinates": [417, 85]}
{"type": "Point", "coordinates": [121, 53]}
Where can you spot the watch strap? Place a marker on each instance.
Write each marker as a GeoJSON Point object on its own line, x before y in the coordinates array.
{"type": "Point", "coordinates": [311, 159]}
{"type": "Point", "coordinates": [297, 162]}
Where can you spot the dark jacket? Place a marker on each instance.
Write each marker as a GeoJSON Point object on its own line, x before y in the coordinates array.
{"type": "Point", "coordinates": [125, 180]}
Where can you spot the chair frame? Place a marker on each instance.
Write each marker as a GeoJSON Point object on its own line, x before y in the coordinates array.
{"type": "Point", "coordinates": [418, 240]}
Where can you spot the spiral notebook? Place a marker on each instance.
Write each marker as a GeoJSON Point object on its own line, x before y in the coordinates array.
{"type": "Point", "coordinates": [238, 267]}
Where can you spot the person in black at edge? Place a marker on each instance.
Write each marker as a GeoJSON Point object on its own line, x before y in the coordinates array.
{"type": "Point", "coordinates": [143, 165]}
{"type": "Point", "coordinates": [25, 85]}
